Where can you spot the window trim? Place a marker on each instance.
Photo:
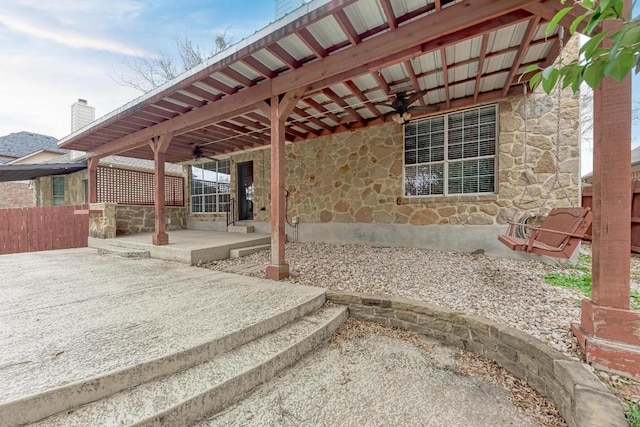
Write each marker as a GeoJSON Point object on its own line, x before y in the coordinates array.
{"type": "Point", "coordinates": [54, 196]}
{"type": "Point", "coordinates": [446, 160]}
{"type": "Point", "coordinates": [201, 196]}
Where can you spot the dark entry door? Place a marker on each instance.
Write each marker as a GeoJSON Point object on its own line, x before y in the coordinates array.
{"type": "Point", "coordinates": [245, 191]}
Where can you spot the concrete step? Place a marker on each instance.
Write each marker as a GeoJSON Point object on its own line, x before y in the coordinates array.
{"type": "Point", "coordinates": [123, 252]}
{"type": "Point", "coordinates": [240, 229]}
{"type": "Point", "coordinates": [240, 252]}
{"type": "Point", "coordinates": [60, 399]}
{"type": "Point", "coordinates": [191, 394]}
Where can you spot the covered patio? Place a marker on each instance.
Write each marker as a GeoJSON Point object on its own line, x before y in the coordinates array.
{"type": "Point", "coordinates": [342, 65]}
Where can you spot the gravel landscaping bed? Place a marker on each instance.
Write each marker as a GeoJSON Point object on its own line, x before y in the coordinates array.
{"type": "Point", "coordinates": [511, 292]}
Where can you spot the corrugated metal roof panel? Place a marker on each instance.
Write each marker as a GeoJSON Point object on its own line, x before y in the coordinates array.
{"type": "Point", "coordinates": [499, 62]}
{"type": "Point", "coordinates": [377, 96]}
{"type": "Point", "coordinates": [507, 37]}
{"type": "Point", "coordinates": [295, 47]}
{"type": "Point", "coordinates": [537, 52]}
{"type": "Point", "coordinates": [224, 79]}
{"type": "Point", "coordinates": [464, 50]}
{"type": "Point", "coordinates": [365, 15]}
{"type": "Point", "coordinates": [431, 81]}
{"type": "Point", "coordinates": [457, 74]}
{"type": "Point", "coordinates": [245, 70]}
{"type": "Point", "coordinates": [436, 96]}
{"type": "Point", "coordinates": [493, 82]}
{"type": "Point", "coordinates": [327, 32]}
{"type": "Point", "coordinates": [402, 7]}
{"type": "Point", "coordinates": [320, 98]}
{"type": "Point", "coordinates": [541, 32]}
{"type": "Point", "coordinates": [427, 62]}
{"type": "Point", "coordinates": [342, 91]}
{"type": "Point", "coordinates": [268, 59]}
{"type": "Point", "coordinates": [366, 81]}
{"type": "Point", "coordinates": [394, 73]}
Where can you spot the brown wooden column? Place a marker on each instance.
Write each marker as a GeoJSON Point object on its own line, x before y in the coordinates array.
{"type": "Point", "coordinates": [159, 146]}
{"type": "Point", "coordinates": [609, 332]}
{"type": "Point", "coordinates": [92, 179]}
{"type": "Point", "coordinates": [279, 109]}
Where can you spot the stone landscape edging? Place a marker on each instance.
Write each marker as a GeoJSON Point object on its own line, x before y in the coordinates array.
{"type": "Point", "coordinates": [581, 398]}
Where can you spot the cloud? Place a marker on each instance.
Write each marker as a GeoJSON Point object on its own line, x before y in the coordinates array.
{"type": "Point", "coordinates": [73, 39]}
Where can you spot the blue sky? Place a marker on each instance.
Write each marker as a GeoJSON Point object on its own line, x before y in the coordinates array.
{"type": "Point", "coordinates": [56, 51]}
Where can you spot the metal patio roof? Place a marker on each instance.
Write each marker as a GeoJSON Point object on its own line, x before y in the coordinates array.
{"type": "Point", "coordinates": [346, 57]}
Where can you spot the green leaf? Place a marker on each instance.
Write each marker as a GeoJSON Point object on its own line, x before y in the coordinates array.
{"type": "Point", "coordinates": [590, 46]}
{"type": "Point", "coordinates": [535, 80]}
{"type": "Point", "coordinates": [632, 34]}
{"type": "Point", "coordinates": [605, 4]}
{"type": "Point", "coordinates": [549, 82]}
{"type": "Point", "coordinates": [594, 74]}
{"type": "Point", "coordinates": [622, 66]}
{"type": "Point", "coordinates": [530, 68]}
{"type": "Point", "coordinates": [618, 8]}
{"type": "Point", "coordinates": [556, 19]}
{"type": "Point", "coordinates": [574, 25]}
{"type": "Point", "coordinates": [594, 20]}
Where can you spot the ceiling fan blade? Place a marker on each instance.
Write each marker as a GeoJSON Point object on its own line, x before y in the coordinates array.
{"type": "Point", "coordinates": [425, 108]}
{"type": "Point", "coordinates": [413, 98]}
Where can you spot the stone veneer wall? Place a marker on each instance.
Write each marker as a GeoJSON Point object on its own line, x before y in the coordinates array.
{"type": "Point", "coordinates": [108, 220]}
{"type": "Point", "coordinates": [582, 399]}
{"type": "Point", "coordinates": [131, 219]}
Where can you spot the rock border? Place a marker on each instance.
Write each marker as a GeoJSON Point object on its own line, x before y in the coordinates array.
{"type": "Point", "coordinates": [582, 399]}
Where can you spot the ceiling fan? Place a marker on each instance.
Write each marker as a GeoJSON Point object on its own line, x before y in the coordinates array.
{"type": "Point", "coordinates": [197, 153]}
{"type": "Point", "coordinates": [403, 106]}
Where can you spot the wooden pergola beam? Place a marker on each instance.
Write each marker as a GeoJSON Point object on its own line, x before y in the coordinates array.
{"type": "Point", "coordinates": [522, 51]}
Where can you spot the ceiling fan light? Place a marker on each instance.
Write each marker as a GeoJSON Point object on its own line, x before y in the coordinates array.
{"type": "Point", "coordinates": [406, 115]}
{"type": "Point", "coordinates": [397, 118]}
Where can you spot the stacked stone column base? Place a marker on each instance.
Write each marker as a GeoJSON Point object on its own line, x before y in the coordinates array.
{"type": "Point", "coordinates": [610, 338]}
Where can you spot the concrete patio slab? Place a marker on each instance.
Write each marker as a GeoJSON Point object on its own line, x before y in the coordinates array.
{"type": "Point", "coordinates": [187, 246]}
{"type": "Point", "coordinates": [70, 315]}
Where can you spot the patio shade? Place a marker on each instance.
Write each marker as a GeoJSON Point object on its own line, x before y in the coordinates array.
{"type": "Point", "coordinates": [33, 171]}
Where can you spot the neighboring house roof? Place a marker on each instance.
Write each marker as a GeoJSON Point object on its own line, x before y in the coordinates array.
{"type": "Point", "coordinates": [20, 144]}
{"type": "Point", "coordinates": [28, 158]}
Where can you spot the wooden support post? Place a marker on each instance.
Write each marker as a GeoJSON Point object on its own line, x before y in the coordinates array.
{"type": "Point", "coordinates": [159, 146]}
{"type": "Point", "coordinates": [609, 331]}
{"type": "Point", "coordinates": [92, 179]}
{"type": "Point", "coordinates": [279, 109]}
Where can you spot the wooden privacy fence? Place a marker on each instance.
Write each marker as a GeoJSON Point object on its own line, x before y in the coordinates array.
{"type": "Point", "coordinates": [41, 229]}
{"type": "Point", "coordinates": [587, 201]}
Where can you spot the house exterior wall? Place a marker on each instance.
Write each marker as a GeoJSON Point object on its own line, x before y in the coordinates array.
{"type": "Point", "coordinates": [17, 194]}
{"type": "Point", "coordinates": [349, 186]}
{"type": "Point", "coordinates": [73, 189]}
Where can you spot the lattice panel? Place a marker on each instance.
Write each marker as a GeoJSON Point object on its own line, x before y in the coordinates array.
{"type": "Point", "coordinates": [129, 187]}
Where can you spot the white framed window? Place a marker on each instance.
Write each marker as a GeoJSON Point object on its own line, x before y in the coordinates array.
{"type": "Point", "coordinates": [451, 154]}
{"type": "Point", "coordinates": [210, 186]}
{"type": "Point", "coordinates": [57, 191]}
